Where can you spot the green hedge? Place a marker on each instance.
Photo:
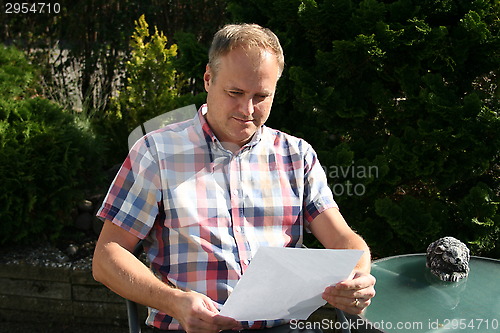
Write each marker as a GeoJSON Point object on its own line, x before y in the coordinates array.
{"type": "Point", "coordinates": [401, 101]}
{"type": "Point", "coordinates": [16, 74]}
{"type": "Point", "coordinates": [48, 158]}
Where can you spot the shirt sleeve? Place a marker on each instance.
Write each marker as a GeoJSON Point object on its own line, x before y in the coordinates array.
{"type": "Point", "coordinates": [318, 196]}
{"type": "Point", "coordinates": [134, 195]}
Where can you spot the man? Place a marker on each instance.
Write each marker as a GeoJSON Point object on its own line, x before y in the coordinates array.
{"type": "Point", "coordinates": [205, 194]}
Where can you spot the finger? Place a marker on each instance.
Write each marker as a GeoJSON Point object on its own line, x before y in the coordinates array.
{"type": "Point", "coordinates": [358, 305]}
{"type": "Point", "coordinates": [211, 316]}
{"type": "Point", "coordinates": [214, 323]}
{"type": "Point", "coordinates": [350, 293]}
{"type": "Point", "coordinates": [195, 325]}
{"type": "Point", "coordinates": [359, 281]}
{"type": "Point", "coordinates": [349, 305]}
{"type": "Point", "coordinates": [227, 323]}
{"type": "Point", "coordinates": [201, 316]}
{"type": "Point", "coordinates": [210, 305]}
{"type": "Point", "coordinates": [207, 314]}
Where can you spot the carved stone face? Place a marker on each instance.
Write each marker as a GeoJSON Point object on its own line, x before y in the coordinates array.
{"type": "Point", "coordinates": [448, 258]}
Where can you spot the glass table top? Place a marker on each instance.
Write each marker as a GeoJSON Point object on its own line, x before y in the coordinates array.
{"type": "Point", "coordinates": [411, 299]}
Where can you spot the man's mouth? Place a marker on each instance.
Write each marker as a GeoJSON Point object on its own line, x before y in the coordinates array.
{"type": "Point", "coordinates": [244, 121]}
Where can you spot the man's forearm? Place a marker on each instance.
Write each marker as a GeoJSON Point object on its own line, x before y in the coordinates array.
{"type": "Point", "coordinates": [357, 242]}
{"type": "Point", "coordinates": [332, 231]}
{"type": "Point", "coordinates": [127, 276]}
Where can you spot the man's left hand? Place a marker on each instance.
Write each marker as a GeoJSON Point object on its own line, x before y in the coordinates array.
{"type": "Point", "coordinates": [352, 295]}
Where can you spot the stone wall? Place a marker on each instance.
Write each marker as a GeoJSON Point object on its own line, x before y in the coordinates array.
{"type": "Point", "coordinates": [58, 294]}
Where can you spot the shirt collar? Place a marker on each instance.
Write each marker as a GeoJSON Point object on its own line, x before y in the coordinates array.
{"type": "Point", "coordinates": [203, 127]}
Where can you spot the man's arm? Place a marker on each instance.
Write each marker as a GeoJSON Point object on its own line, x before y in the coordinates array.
{"type": "Point", "coordinates": [352, 295]}
{"type": "Point", "coordinates": [115, 266]}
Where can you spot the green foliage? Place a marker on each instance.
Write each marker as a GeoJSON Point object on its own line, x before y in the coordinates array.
{"type": "Point", "coordinates": [82, 56]}
{"type": "Point", "coordinates": [152, 80]}
{"type": "Point", "coordinates": [153, 86]}
{"type": "Point", "coordinates": [16, 74]}
{"type": "Point", "coordinates": [90, 40]}
{"type": "Point", "coordinates": [150, 89]}
{"type": "Point", "coordinates": [409, 87]}
{"type": "Point", "coordinates": [48, 158]}
{"type": "Point", "coordinates": [193, 57]}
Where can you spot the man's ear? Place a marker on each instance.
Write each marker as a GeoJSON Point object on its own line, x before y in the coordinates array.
{"type": "Point", "coordinates": [207, 77]}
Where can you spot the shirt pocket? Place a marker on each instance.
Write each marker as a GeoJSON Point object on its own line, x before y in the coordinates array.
{"type": "Point", "coordinates": [197, 201]}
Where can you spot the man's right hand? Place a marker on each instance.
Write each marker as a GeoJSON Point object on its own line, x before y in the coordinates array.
{"type": "Point", "coordinates": [197, 314]}
{"type": "Point", "coordinates": [115, 266]}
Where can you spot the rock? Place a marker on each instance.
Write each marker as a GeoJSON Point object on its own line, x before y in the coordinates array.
{"type": "Point", "coordinates": [72, 250]}
{"type": "Point", "coordinates": [448, 259]}
{"type": "Point", "coordinates": [85, 206]}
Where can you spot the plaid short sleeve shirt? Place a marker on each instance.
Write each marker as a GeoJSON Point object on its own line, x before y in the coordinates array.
{"type": "Point", "coordinates": [204, 211]}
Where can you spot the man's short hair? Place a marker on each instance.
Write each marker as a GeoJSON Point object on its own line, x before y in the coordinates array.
{"type": "Point", "coordinates": [244, 35]}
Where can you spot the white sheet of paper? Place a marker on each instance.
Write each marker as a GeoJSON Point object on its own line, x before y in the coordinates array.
{"type": "Point", "coordinates": [287, 283]}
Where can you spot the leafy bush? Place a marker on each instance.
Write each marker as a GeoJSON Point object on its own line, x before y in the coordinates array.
{"type": "Point", "coordinates": [152, 86]}
{"type": "Point", "coordinates": [16, 74]}
{"type": "Point", "coordinates": [48, 158]}
{"type": "Point", "coordinates": [409, 88]}
{"type": "Point", "coordinates": [152, 80]}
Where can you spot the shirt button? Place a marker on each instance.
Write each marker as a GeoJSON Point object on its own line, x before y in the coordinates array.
{"type": "Point", "coordinates": [235, 192]}
{"type": "Point", "coordinates": [237, 229]}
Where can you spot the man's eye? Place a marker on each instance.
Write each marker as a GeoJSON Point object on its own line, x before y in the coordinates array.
{"type": "Point", "coordinates": [234, 93]}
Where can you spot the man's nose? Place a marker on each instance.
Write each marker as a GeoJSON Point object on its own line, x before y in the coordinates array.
{"type": "Point", "coordinates": [247, 107]}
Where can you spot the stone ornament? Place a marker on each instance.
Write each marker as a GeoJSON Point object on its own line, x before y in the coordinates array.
{"type": "Point", "coordinates": [448, 259]}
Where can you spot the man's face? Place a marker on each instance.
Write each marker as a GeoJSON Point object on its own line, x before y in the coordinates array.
{"type": "Point", "coordinates": [240, 96]}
